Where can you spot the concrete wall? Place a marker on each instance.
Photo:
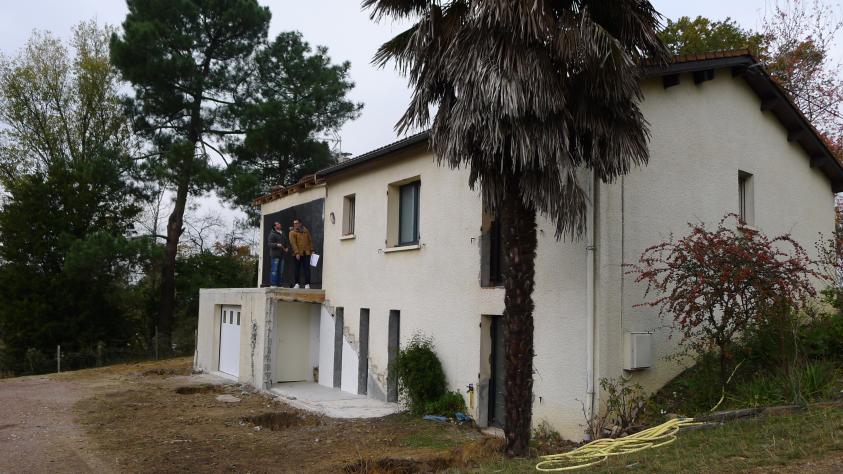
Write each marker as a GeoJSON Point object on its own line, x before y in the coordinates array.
{"type": "Point", "coordinates": [701, 136]}
{"type": "Point", "coordinates": [252, 302]}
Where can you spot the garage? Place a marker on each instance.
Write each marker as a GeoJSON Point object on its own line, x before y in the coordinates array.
{"type": "Point", "coordinates": [230, 340]}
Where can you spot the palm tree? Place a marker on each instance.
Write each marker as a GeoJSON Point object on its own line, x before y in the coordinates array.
{"type": "Point", "coordinates": [526, 93]}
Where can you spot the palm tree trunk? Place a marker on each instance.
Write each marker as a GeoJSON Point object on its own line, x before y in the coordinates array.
{"type": "Point", "coordinates": [519, 237]}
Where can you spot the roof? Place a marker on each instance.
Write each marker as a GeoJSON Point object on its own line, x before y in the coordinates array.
{"type": "Point", "coordinates": [306, 182]}
{"type": "Point", "coordinates": [421, 137]}
{"type": "Point", "coordinates": [701, 66]}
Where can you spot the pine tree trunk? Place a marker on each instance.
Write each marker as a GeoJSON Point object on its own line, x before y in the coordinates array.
{"type": "Point", "coordinates": [519, 238]}
{"type": "Point", "coordinates": [168, 271]}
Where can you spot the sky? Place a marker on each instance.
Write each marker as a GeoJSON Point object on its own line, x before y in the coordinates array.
{"type": "Point", "coordinates": [342, 27]}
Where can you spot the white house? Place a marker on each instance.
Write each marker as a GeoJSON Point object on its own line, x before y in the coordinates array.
{"type": "Point", "coordinates": [407, 248]}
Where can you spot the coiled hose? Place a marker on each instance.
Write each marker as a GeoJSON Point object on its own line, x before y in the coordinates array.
{"type": "Point", "coordinates": [600, 450]}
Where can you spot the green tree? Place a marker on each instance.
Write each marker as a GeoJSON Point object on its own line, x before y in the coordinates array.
{"type": "Point", "coordinates": [187, 61]}
{"type": "Point", "coordinates": [224, 265]}
{"type": "Point", "coordinates": [205, 78]}
{"type": "Point", "coordinates": [65, 155]}
{"type": "Point", "coordinates": [295, 95]}
{"type": "Point", "coordinates": [525, 95]}
{"type": "Point", "coordinates": [701, 34]}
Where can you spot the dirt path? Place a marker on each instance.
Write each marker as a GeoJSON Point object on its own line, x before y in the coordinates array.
{"type": "Point", "coordinates": [37, 432]}
{"type": "Point", "coordinates": [155, 417]}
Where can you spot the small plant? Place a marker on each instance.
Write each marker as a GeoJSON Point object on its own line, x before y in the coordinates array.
{"type": "Point", "coordinates": [421, 379]}
{"type": "Point", "coordinates": [623, 404]}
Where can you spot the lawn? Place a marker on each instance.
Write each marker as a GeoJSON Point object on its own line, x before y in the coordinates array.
{"type": "Point", "coordinates": [786, 440]}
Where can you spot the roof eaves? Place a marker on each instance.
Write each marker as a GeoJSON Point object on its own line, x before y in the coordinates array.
{"type": "Point", "coordinates": [737, 60]}
{"type": "Point", "coordinates": [376, 153]}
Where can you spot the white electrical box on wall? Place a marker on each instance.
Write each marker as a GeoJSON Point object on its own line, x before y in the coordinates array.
{"type": "Point", "coordinates": [638, 353]}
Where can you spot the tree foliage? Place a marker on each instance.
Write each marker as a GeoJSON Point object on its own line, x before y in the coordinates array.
{"type": "Point", "coordinates": [294, 95]}
{"type": "Point", "coordinates": [203, 78]}
{"type": "Point", "coordinates": [525, 95]}
{"type": "Point", "coordinates": [686, 35]}
{"type": "Point", "coordinates": [59, 103]}
{"type": "Point", "coordinates": [65, 261]}
{"type": "Point", "coordinates": [716, 284]}
{"type": "Point", "coordinates": [799, 38]}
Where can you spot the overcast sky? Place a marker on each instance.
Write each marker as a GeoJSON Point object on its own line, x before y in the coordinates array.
{"type": "Point", "coordinates": [340, 25]}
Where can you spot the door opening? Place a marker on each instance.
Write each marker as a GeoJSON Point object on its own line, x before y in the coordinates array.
{"type": "Point", "coordinates": [497, 379]}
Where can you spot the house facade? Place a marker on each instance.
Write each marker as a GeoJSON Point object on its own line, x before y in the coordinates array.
{"type": "Point", "coordinates": [406, 248]}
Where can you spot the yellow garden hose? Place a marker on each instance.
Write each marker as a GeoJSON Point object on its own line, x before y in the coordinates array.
{"type": "Point", "coordinates": [600, 450]}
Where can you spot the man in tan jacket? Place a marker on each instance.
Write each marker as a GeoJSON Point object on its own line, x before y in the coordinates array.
{"type": "Point", "coordinates": [302, 249]}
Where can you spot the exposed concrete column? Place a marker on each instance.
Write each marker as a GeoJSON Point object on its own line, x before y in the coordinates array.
{"type": "Point", "coordinates": [363, 354]}
{"type": "Point", "coordinates": [392, 355]}
{"type": "Point", "coordinates": [267, 345]}
{"type": "Point", "coordinates": [339, 324]}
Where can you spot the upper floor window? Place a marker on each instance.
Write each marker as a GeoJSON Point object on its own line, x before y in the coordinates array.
{"type": "Point", "coordinates": [746, 200]}
{"type": "Point", "coordinates": [492, 261]}
{"type": "Point", "coordinates": [348, 214]}
{"type": "Point", "coordinates": [408, 213]}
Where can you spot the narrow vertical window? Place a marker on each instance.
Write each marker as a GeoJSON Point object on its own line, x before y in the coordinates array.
{"type": "Point", "coordinates": [408, 214]}
{"type": "Point", "coordinates": [746, 201]}
{"type": "Point", "coordinates": [348, 214]}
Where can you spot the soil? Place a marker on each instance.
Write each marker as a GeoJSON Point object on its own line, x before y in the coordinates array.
{"type": "Point", "coordinates": [156, 417]}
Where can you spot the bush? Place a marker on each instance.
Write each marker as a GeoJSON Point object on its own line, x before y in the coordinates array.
{"type": "Point", "coordinates": [717, 285]}
{"type": "Point", "coordinates": [421, 379]}
{"type": "Point", "coordinates": [448, 404]}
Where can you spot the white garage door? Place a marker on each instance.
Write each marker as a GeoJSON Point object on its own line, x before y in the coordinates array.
{"type": "Point", "coordinates": [230, 340]}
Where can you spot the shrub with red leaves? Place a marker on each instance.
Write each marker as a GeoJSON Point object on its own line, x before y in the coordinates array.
{"type": "Point", "coordinates": [716, 284]}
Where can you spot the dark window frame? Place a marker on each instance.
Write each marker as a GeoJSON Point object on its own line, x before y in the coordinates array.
{"type": "Point", "coordinates": [349, 214]}
{"type": "Point", "coordinates": [744, 197]}
{"type": "Point", "coordinates": [416, 185]}
{"type": "Point", "coordinates": [496, 257]}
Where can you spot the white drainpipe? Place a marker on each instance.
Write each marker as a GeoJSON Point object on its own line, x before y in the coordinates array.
{"type": "Point", "coordinates": [591, 213]}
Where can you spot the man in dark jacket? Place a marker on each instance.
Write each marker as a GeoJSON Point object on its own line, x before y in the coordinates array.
{"type": "Point", "coordinates": [277, 249]}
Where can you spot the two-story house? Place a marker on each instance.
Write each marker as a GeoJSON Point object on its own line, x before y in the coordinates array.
{"type": "Point", "coordinates": [406, 247]}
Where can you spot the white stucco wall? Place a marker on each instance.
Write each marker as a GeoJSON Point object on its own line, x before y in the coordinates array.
{"type": "Point", "coordinates": [701, 136]}
{"type": "Point", "coordinates": [437, 287]}
{"type": "Point", "coordinates": [326, 346]}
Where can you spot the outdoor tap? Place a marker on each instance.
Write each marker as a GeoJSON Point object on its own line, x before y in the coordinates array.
{"type": "Point", "coordinates": [470, 391]}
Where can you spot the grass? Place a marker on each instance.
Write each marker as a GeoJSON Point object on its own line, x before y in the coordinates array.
{"type": "Point", "coordinates": [433, 440]}
{"type": "Point", "coordinates": [735, 447]}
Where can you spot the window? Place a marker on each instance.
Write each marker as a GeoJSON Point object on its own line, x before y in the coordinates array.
{"type": "Point", "coordinates": [746, 203]}
{"type": "Point", "coordinates": [408, 213]}
{"type": "Point", "coordinates": [492, 261]}
{"type": "Point", "coordinates": [348, 215]}
{"type": "Point", "coordinates": [402, 215]}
